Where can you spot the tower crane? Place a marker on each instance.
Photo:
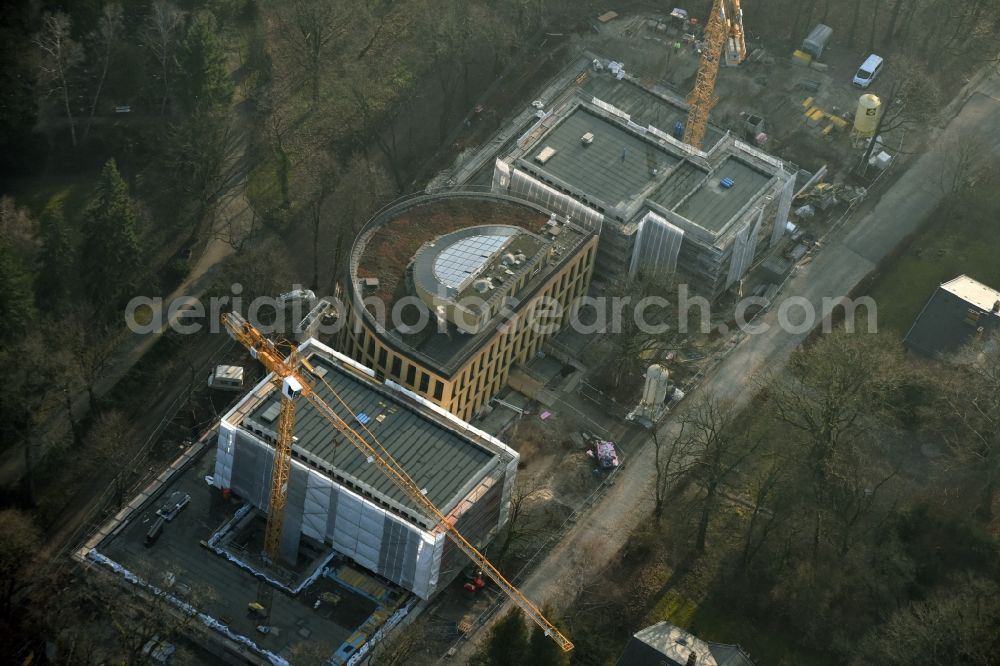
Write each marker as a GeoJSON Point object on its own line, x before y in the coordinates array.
{"type": "Point", "coordinates": [293, 384]}
{"type": "Point", "coordinates": [724, 29]}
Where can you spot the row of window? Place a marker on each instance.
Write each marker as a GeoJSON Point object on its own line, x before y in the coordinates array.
{"type": "Point", "coordinates": [485, 375]}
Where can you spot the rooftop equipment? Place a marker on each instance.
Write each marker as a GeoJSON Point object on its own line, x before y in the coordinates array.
{"type": "Point", "coordinates": [545, 155]}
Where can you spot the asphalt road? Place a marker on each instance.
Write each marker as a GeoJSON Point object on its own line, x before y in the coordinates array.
{"type": "Point", "coordinates": [849, 255]}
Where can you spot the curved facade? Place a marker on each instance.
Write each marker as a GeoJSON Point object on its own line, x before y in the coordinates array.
{"type": "Point", "coordinates": [445, 293]}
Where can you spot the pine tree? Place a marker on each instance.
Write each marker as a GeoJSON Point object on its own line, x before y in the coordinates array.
{"type": "Point", "coordinates": [507, 643]}
{"type": "Point", "coordinates": [17, 304]}
{"type": "Point", "coordinates": [111, 253]}
{"type": "Point", "coordinates": [55, 265]}
{"type": "Point", "coordinates": [542, 650]}
{"type": "Point", "coordinates": [204, 78]}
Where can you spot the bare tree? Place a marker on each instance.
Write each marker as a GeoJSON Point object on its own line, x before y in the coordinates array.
{"type": "Point", "coordinates": [361, 189]}
{"type": "Point", "coordinates": [321, 174]}
{"type": "Point", "coordinates": [961, 164]}
{"type": "Point", "coordinates": [18, 558]}
{"type": "Point", "coordinates": [641, 326]}
{"type": "Point", "coordinates": [91, 345]}
{"type": "Point", "coordinates": [671, 460]}
{"type": "Point", "coordinates": [717, 452]}
{"type": "Point", "coordinates": [310, 27]}
{"type": "Point", "coordinates": [970, 422]}
{"type": "Point", "coordinates": [60, 54]}
{"type": "Point", "coordinates": [111, 442]}
{"type": "Point", "coordinates": [161, 33]}
{"type": "Point", "coordinates": [379, 123]}
{"type": "Point", "coordinates": [766, 512]}
{"type": "Point", "coordinates": [143, 619]}
{"type": "Point", "coordinates": [205, 155]}
{"type": "Point", "coordinates": [105, 39]}
{"type": "Point", "coordinates": [520, 525]}
{"type": "Point", "coordinates": [911, 101]}
{"type": "Point", "coordinates": [829, 395]}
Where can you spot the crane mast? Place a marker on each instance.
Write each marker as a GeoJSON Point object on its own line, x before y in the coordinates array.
{"type": "Point", "coordinates": [722, 28]}
{"type": "Point", "coordinates": [736, 46]}
{"type": "Point", "coordinates": [278, 497]}
{"type": "Point", "coordinates": [286, 372]}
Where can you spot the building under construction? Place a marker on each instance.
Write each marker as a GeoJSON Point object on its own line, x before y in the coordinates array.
{"type": "Point", "coordinates": [337, 497]}
{"type": "Point", "coordinates": [605, 151]}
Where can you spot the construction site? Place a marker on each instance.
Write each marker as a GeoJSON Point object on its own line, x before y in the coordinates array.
{"type": "Point", "coordinates": [357, 485]}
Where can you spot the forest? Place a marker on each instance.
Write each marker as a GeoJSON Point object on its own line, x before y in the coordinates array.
{"type": "Point", "coordinates": [155, 146]}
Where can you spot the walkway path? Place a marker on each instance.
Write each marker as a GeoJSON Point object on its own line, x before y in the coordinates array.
{"type": "Point", "coordinates": [850, 255]}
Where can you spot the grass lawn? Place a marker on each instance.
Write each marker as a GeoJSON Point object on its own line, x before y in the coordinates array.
{"type": "Point", "coordinates": [959, 238]}
{"type": "Point", "coordinates": [263, 187]}
{"type": "Point", "coordinates": [714, 622]}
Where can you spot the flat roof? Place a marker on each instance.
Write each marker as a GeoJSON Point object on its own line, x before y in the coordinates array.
{"type": "Point", "coordinates": [387, 252]}
{"type": "Point", "coordinates": [438, 457]}
{"type": "Point", "coordinates": [712, 206]}
{"type": "Point", "coordinates": [218, 587]}
{"type": "Point", "coordinates": [973, 292]}
{"type": "Point", "coordinates": [681, 182]}
{"type": "Point", "coordinates": [614, 168]}
{"type": "Point", "coordinates": [643, 105]}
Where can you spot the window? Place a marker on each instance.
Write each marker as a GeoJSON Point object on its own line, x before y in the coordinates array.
{"type": "Point", "coordinates": [424, 382]}
{"type": "Point", "coordinates": [371, 346]}
{"type": "Point", "coordinates": [397, 367]}
{"type": "Point", "coordinates": [411, 374]}
{"type": "Point", "coordinates": [438, 389]}
{"type": "Point", "coordinates": [382, 358]}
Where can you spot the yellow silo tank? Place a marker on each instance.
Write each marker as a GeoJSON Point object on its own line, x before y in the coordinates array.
{"type": "Point", "coordinates": [865, 120]}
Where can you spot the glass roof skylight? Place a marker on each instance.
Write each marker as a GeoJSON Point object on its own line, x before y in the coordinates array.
{"type": "Point", "coordinates": [466, 257]}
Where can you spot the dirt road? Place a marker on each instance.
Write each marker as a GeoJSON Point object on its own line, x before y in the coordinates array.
{"type": "Point", "coordinates": [850, 255]}
{"type": "Point", "coordinates": [233, 215]}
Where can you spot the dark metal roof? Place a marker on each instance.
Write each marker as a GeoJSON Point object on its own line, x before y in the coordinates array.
{"type": "Point", "coordinates": [949, 321]}
{"type": "Point", "coordinates": [438, 457]}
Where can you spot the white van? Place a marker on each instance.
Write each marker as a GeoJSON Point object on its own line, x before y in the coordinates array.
{"type": "Point", "coordinates": [869, 70]}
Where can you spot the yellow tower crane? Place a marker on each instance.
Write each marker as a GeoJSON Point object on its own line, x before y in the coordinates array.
{"type": "Point", "coordinates": [724, 29]}
{"type": "Point", "coordinates": [294, 384]}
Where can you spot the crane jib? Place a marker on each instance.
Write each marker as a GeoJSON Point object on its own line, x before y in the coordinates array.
{"type": "Point", "coordinates": [264, 351]}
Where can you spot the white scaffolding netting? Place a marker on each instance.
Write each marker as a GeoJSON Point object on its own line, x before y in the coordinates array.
{"type": "Point", "coordinates": [328, 512]}
{"type": "Point", "coordinates": [784, 205]}
{"type": "Point", "coordinates": [744, 248]}
{"type": "Point", "coordinates": [531, 189]}
{"type": "Point", "coordinates": [657, 246]}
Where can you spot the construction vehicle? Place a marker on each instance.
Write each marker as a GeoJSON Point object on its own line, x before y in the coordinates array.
{"type": "Point", "coordinates": [723, 30]}
{"type": "Point", "coordinates": [294, 383]}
